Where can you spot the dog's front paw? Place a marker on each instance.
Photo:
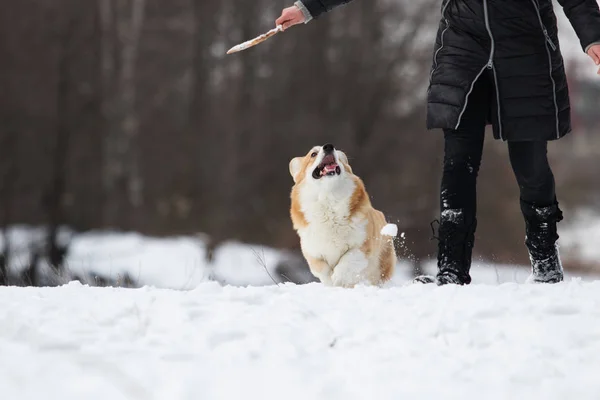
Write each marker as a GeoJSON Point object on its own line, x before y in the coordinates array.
{"type": "Point", "coordinates": [350, 270]}
{"type": "Point", "coordinates": [325, 279]}
{"type": "Point", "coordinates": [344, 281]}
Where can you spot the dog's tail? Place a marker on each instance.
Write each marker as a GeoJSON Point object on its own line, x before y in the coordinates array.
{"type": "Point", "coordinates": [389, 230]}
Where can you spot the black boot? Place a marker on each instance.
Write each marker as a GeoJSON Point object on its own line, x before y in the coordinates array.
{"type": "Point", "coordinates": [455, 248]}
{"type": "Point", "coordinates": [541, 237]}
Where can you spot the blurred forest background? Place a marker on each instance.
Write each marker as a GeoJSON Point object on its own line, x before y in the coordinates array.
{"type": "Point", "coordinates": [128, 115]}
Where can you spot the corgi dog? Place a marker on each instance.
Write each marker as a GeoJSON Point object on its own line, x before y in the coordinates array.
{"type": "Point", "coordinates": [345, 240]}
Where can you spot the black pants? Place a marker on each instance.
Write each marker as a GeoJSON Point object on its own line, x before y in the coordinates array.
{"type": "Point", "coordinates": [462, 158]}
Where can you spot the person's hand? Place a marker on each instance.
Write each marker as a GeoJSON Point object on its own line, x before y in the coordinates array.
{"type": "Point", "coordinates": [594, 52]}
{"type": "Point", "coordinates": [293, 16]}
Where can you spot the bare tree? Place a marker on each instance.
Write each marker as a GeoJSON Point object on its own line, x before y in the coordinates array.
{"type": "Point", "coordinates": [122, 23]}
{"type": "Point", "coordinates": [129, 115]}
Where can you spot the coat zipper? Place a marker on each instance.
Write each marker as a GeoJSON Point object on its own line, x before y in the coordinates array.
{"type": "Point", "coordinates": [497, 101]}
{"type": "Point", "coordinates": [549, 39]}
{"type": "Point", "coordinates": [489, 65]}
{"type": "Point", "coordinates": [536, 5]}
{"type": "Point", "coordinates": [435, 64]}
{"type": "Point", "coordinates": [553, 46]}
{"type": "Point", "coordinates": [486, 16]}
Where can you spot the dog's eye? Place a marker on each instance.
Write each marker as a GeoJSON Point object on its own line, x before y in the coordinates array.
{"type": "Point", "coordinates": [313, 155]}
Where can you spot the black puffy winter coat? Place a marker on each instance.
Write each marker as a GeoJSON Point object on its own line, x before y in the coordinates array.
{"type": "Point", "coordinates": [517, 41]}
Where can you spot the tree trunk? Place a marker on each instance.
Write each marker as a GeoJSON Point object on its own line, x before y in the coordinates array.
{"type": "Point", "coordinates": [56, 191]}
{"type": "Point", "coordinates": [122, 23]}
{"type": "Point", "coordinates": [4, 257]}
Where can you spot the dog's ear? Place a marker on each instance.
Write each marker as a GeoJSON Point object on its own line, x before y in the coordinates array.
{"type": "Point", "coordinates": [295, 166]}
{"type": "Point", "coordinates": [344, 159]}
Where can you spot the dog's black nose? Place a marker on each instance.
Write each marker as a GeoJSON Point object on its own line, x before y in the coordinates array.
{"type": "Point", "coordinates": [328, 148]}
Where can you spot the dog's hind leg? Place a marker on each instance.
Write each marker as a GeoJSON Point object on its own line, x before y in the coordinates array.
{"type": "Point", "coordinates": [351, 269]}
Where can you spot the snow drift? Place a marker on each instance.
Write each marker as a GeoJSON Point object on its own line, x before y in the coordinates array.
{"type": "Point", "coordinates": [506, 341]}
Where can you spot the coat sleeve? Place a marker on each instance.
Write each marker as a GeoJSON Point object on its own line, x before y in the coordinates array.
{"type": "Point", "coordinates": [585, 18]}
{"type": "Point", "coordinates": [318, 7]}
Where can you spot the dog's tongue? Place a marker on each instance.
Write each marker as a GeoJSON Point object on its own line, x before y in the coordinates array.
{"type": "Point", "coordinates": [329, 168]}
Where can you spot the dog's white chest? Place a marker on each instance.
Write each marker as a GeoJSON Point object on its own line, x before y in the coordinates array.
{"type": "Point", "coordinates": [330, 232]}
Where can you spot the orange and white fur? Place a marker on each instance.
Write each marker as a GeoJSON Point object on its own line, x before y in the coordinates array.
{"type": "Point", "coordinates": [341, 235]}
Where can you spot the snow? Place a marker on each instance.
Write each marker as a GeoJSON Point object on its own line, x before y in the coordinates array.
{"type": "Point", "coordinates": [452, 215]}
{"type": "Point", "coordinates": [180, 262]}
{"type": "Point", "coordinates": [301, 342]}
{"type": "Point", "coordinates": [174, 263]}
{"type": "Point", "coordinates": [582, 237]}
{"type": "Point", "coordinates": [390, 230]}
{"type": "Point", "coordinates": [249, 338]}
{"type": "Point", "coordinates": [484, 272]}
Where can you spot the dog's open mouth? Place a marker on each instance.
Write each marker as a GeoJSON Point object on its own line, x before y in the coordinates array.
{"type": "Point", "coordinates": [327, 167]}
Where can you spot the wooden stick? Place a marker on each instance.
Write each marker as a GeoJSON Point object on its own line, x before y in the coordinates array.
{"type": "Point", "coordinates": [255, 41]}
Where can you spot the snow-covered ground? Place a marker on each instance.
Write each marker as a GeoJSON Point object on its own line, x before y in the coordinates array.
{"type": "Point", "coordinates": [583, 237]}
{"type": "Point", "coordinates": [496, 339]}
{"type": "Point", "coordinates": [180, 262]}
{"type": "Point", "coordinates": [175, 262]}
{"type": "Point", "coordinates": [508, 341]}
